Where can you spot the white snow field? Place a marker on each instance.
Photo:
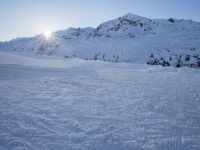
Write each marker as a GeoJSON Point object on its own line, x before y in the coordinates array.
{"type": "Point", "coordinates": [79, 104]}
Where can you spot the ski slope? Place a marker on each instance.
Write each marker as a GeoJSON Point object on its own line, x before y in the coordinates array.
{"type": "Point", "coordinates": [97, 105]}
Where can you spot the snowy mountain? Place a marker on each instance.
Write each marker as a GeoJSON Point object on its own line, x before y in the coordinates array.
{"type": "Point", "coordinates": [49, 100]}
{"type": "Point", "coordinates": [131, 38]}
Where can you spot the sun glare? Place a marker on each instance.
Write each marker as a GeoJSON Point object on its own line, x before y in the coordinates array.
{"type": "Point", "coordinates": [47, 34]}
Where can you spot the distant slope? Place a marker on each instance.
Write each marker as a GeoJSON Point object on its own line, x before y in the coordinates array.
{"type": "Point", "coordinates": [130, 38]}
{"type": "Point", "coordinates": [12, 59]}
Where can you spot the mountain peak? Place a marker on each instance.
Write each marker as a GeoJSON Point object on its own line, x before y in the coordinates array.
{"type": "Point", "coordinates": [135, 17]}
{"type": "Point", "coordinates": [129, 38]}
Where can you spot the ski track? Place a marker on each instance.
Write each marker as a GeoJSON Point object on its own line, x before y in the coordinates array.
{"type": "Point", "coordinates": [99, 106]}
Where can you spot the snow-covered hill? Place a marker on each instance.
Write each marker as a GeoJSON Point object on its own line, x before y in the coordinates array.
{"type": "Point", "coordinates": [49, 100]}
{"type": "Point", "coordinates": [130, 38]}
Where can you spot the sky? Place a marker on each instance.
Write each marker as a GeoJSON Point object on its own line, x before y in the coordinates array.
{"type": "Point", "coordinates": [24, 18]}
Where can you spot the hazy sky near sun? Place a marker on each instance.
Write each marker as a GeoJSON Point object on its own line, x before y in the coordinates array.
{"type": "Point", "coordinates": [20, 18]}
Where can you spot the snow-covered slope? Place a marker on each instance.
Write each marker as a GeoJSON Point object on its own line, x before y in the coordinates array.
{"type": "Point", "coordinates": [130, 38]}
{"type": "Point", "coordinates": [99, 106]}
{"type": "Point", "coordinates": [53, 62]}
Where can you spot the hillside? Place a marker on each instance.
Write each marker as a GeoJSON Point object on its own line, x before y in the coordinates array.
{"type": "Point", "coordinates": [131, 38]}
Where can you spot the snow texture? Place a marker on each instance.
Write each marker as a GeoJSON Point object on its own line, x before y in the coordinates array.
{"type": "Point", "coordinates": [97, 105]}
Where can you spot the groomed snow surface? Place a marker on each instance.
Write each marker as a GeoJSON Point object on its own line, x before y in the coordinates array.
{"type": "Point", "coordinates": [96, 105]}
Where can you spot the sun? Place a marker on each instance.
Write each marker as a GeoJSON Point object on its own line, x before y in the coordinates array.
{"type": "Point", "coordinates": [47, 34]}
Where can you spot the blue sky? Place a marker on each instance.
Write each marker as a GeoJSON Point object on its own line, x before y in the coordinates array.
{"type": "Point", "coordinates": [21, 18]}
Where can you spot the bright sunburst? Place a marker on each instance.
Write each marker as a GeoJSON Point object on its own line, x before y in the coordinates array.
{"type": "Point", "coordinates": [47, 34]}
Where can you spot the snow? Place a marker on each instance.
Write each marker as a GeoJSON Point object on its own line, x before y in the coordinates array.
{"type": "Point", "coordinates": [130, 38]}
{"type": "Point", "coordinates": [53, 62]}
{"type": "Point", "coordinates": [53, 95]}
{"type": "Point", "coordinates": [97, 105]}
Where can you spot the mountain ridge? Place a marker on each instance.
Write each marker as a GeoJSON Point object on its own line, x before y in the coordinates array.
{"type": "Point", "coordinates": [130, 38]}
